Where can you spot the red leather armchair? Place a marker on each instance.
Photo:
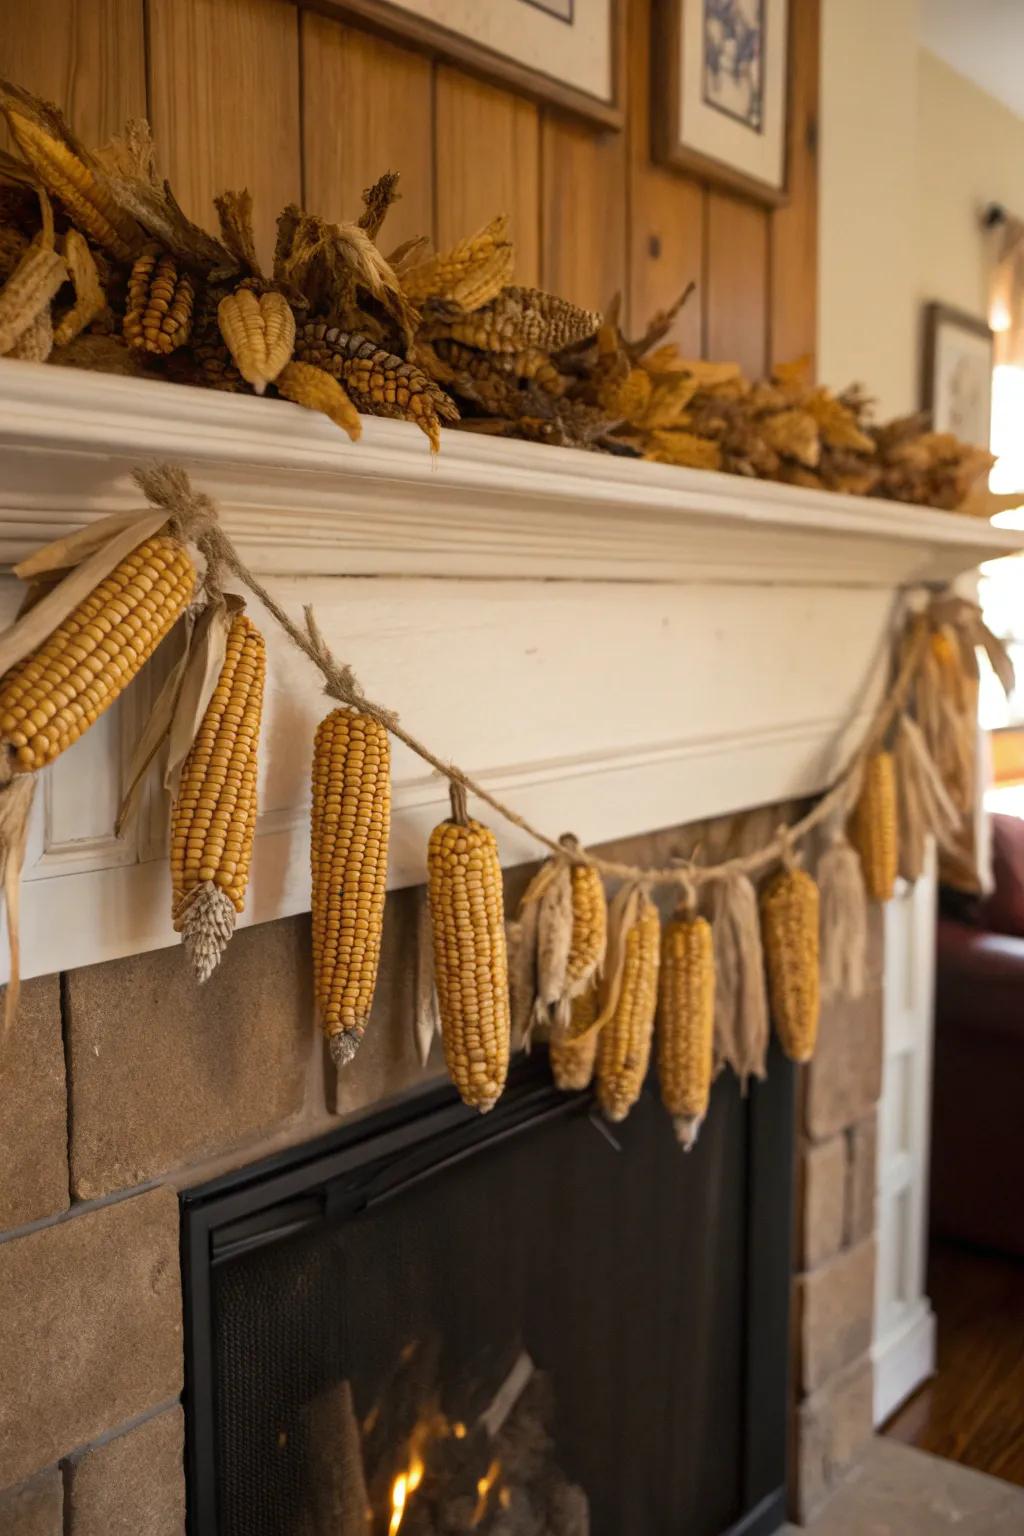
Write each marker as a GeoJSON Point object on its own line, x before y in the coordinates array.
{"type": "Point", "coordinates": [977, 1166]}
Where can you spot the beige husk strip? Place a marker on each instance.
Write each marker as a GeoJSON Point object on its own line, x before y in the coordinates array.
{"type": "Point", "coordinates": [925, 808]}
{"type": "Point", "coordinates": [554, 938]}
{"type": "Point", "coordinates": [844, 919]}
{"type": "Point", "coordinates": [741, 1001]}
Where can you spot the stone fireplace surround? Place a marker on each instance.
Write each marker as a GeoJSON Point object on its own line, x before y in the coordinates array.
{"type": "Point", "coordinates": [742, 624]}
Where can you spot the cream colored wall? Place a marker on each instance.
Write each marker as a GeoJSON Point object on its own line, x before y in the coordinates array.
{"type": "Point", "coordinates": [868, 279]}
{"type": "Point", "coordinates": [970, 152]}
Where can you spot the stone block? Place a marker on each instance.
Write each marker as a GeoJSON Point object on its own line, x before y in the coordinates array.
{"type": "Point", "coordinates": [844, 1080]}
{"type": "Point", "coordinates": [35, 1508]}
{"type": "Point", "coordinates": [835, 1313]}
{"type": "Point", "coordinates": [132, 1486]}
{"type": "Point", "coordinates": [33, 1109]}
{"type": "Point", "coordinates": [861, 1176]}
{"type": "Point", "coordinates": [90, 1328]}
{"type": "Point", "coordinates": [833, 1427]}
{"type": "Point", "coordinates": [822, 1201]}
{"type": "Point", "coordinates": [164, 1072]}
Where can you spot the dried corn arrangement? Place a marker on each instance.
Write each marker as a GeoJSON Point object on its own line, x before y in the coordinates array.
{"type": "Point", "coordinates": [438, 338]}
{"type": "Point", "coordinates": [213, 820]}
{"type": "Point", "coordinates": [351, 822]}
{"type": "Point", "coordinates": [470, 956]}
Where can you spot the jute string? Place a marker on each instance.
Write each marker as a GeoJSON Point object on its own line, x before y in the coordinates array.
{"type": "Point", "coordinates": [193, 516]}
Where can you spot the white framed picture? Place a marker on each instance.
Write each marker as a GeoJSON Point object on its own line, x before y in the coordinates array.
{"type": "Point", "coordinates": [957, 374]}
{"type": "Point", "coordinates": [722, 92]}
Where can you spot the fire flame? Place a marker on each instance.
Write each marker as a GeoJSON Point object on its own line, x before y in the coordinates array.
{"type": "Point", "coordinates": [404, 1485]}
{"type": "Point", "coordinates": [483, 1491]}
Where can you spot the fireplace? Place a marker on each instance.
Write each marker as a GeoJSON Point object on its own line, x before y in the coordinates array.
{"type": "Point", "coordinates": [523, 1324]}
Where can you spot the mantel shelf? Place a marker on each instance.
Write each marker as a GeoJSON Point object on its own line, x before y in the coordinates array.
{"type": "Point", "coordinates": [611, 646]}
{"type": "Point", "coordinates": [299, 498]}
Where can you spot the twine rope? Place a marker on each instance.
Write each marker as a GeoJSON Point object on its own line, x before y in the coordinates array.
{"type": "Point", "coordinates": [193, 516]}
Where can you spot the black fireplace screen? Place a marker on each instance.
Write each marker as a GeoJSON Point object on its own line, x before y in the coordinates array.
{"type": "Point", "coordinates": [522, 1325]}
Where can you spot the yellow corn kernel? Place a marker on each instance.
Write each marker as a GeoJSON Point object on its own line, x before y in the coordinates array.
{"type": "Point", "coordinates": [686, 1023]}
{"type": "Point", "coordinates": [790, 921]}
{"type": "Point", "coordinates": [470, 958]}
{"type": "Point", "coordinates": [624, 1043]}
{"type": "Point", "coordinates": [589, 930]}
{"type": "Point", "coordinates": [572, 1059]}
{"type": "Point", "coordinates": [259, 331]}
{"type": "Point", "coordinates": [51, 698]}
{"type": "Point", "coordinates": [160, 303]}
{"type": "Point", "coordinates": [349, 856]}
{"type": "Point", "coordinates": [873, 827]}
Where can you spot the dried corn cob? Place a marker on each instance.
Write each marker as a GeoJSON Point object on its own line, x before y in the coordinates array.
{"type": "Point", "coordinates": [84, 193]}
{"type": "Point", "coordinates": [455, 362]}
{"type": "Point", "coordinates": [873, 827]}
{"type": "Point", "coordinates": [470, 274]}
{"type": "Point", "coordinates": [90, 299]}
{"type": "Point", "coordinates": [572, 1060]}
{"type": "Point", "coordinates": [307, 385]}
{"type": "Point", "coordinates": [624, 1045]}
{"type": "Point", "coordinates": [259, 330]}
{"type": "Point", "coordinates": [29, 291]}
{"type": "Point", "coordinates": [521, 318]}
{"type": "Point", "coordinates": [789, 931]}
{"type": "Point", "coordinates": [378, 382]}
{"type": "Point", "coordinates": [589, 931]}
{"type": "Point", "coordinates": [470, 959]}
{"type": "Point", "coordinates": [686, 1022]}
{"type": "Point", "coordinates": [160, 303]}
{"type": "Point", "coordinates": [48, 700]}
{"type": "Point", "coordinates": [213, 821]}
{"type": "Point", "coordinates": [349, 853]}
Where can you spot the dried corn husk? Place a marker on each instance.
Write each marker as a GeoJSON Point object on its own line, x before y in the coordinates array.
{"type": "Point", "coordinates": [844, 920]}
{"type": "Point", "coordinates": [90, 299]}
{"type": "Point", "coordinates": [741, 1004]}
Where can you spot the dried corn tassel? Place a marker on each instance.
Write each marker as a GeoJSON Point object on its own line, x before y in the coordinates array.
{"type": "Point", "coordinates": [378, 382]}
{"type": "Point", "coordinates": [741, 1005]}
{"type": "Point", "coordinates": [572, 1060]}
{"type": "Point", "coordinates": [686, 1022]}
{"type": "Point", "coordinates": [90, 299]}
{"type": "Point", "coordinates": [213, 822]}
{"type": "Point", "coordinates": [160, 303]}
{"type": "Point", "coordinates": [873, 827]}
{"type": "Point", "coordinates": [310, 386]}
{"type": "Point", "coordinates": [28, 292]}
{"type": "Point", "coordinates": [844, 920]}
{"type": "Point", "coordinates": [629, 997]}
{"type": "Point", "coordinates": [790, 918]}
{"type": "Point", "coordinates": [259, 332]}
{"type": "Point", "coordinates": [351, 822]}
{"type": "Point", "coordinates": [470, 958]}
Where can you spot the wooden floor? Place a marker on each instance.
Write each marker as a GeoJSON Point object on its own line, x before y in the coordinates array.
{"type": "Point", "coordinates": [972, 1411]}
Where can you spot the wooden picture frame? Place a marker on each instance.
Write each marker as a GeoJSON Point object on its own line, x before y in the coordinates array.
{"type": "Point", "coordinates": [390, 19]}
{"type": "Point", "coordinates": [668, 101]}
{"type": "Point", "coordinates": [957, 360]}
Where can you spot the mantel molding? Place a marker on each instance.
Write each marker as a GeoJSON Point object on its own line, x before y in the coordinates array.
{"type": "Point", "coordinates": [300, 499]}
{"type": "Point", "coordinates": [612, 646]}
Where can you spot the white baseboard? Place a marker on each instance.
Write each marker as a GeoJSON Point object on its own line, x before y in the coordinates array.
{"type": "Point", "coordinates": [903, 1359]}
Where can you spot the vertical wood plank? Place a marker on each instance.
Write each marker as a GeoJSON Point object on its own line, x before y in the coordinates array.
{"type": "Point", "coordinates": [367, 108]}
{"type": "Point", "coordinates": [736, 283]}
{"type": "Point", "coordinates": [583, 182]}
{"type": "Point", "coordinates": [224, 82]}
{"type": "Point", "coordinates": [488, 162]}
{"type": "Point", "coordinates": [793, 309]}
{"type": "Point", "coordinates": [88, 56]}
{"type": "Point", "coordinates": [666, 221]}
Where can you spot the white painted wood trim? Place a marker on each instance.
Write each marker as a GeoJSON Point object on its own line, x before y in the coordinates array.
{"type": "Point", "coordinates": [903, 1359]}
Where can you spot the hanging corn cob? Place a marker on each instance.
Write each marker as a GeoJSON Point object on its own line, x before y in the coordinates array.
{"type": "Point", "coordinates": [349, 853]}
{"type": "Point", "coordinates": [589, 933]}
{"type": "Point", "coordinates": [789, 924]}
{"type": "Point", "coordinates": [470, 959]}
{"type": "Point", "coordinates": [873, 826]}
{"type": "Point", "coordinates": [629, 999]}
{"type": "Point", "coordinates": [572, 1059]}
{"type": "Point", "coordinates": [213, 821]}
{"type": "Point", "coordinates": [51, 697]}
{"type": "Point", "coordinates": [686, 1022]}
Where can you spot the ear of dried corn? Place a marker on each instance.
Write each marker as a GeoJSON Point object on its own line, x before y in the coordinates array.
{"type": "Point", "coordinates": [28, 292]}
{"type": "Point", "coordinates": [873, 827]}
{"type": "Point", "coordinates": [686, 1023]}
{"type": "Point", "coordinates": [377, 381]}
{"type": "Point", "coordinates": [470, 958]}
{"type": "Point", "coordinates": [49, 699]}
{"type": "Point", "coordinates": [471, 274]}
{"type": "Point", "coordinates": [307, 385]}
{"type": "Point", "coordinates": [351, 823]}
{"type": "Point", "coordinates": [213, 821]}
{"type": "Point", "coordinates": [572, 1060]}
{"type": "Point", "coordinates": [160, 303]}
{"type": "Point", "coordinates": [259, 332]}
{"type": "Point", "coordinates": [790, 914]}
{"type": "Point", "coordinates": [629, 998]}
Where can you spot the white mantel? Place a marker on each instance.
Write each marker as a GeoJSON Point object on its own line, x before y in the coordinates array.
{"type": "Point", "coordinates": [614, 646]}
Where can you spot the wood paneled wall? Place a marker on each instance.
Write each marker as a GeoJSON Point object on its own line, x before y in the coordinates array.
{"type": "Point", "coordinates": [299, 106]}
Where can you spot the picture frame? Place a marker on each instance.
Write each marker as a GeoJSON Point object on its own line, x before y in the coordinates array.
{"type": "Point", "coordinates": [527, 45]}
{"type": "Point", "coordinates": [956, 374]}
{"type": "Point", "coordinates": [721, 93]}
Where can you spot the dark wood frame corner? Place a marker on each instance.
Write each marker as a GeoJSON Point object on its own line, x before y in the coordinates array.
{"type": "Point", "coordinates": [440, 43]}
{"type": "Point", "coordinates": [936, 314]}
{"type": "Point", "coordinates": [666, 23]}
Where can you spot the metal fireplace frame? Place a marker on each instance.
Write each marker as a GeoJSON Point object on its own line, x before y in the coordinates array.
{"type": "Point", "coordinates": [376, 1158]}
